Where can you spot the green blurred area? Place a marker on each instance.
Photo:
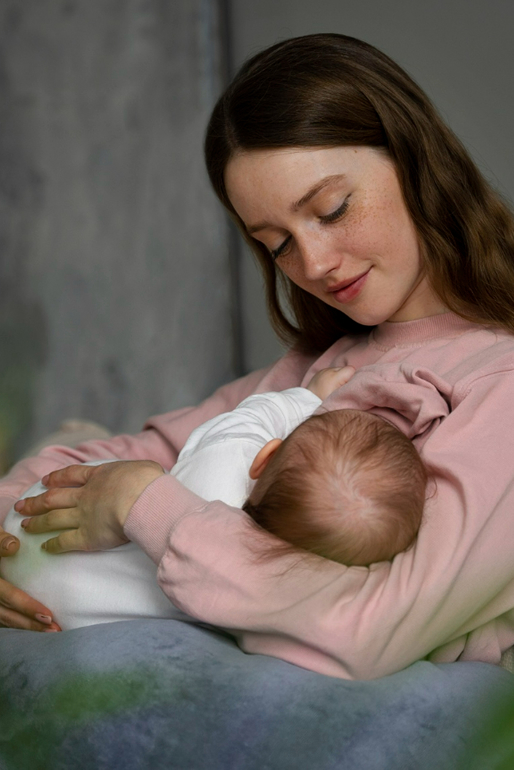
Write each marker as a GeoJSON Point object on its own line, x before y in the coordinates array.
{"type": "Point", "coordinates": [78, 701]}
{"type": "Point", "coordinates": [493, 746]}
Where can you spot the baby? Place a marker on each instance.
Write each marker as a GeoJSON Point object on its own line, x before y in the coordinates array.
{"type": "Point", "coordinates": [344, 484]}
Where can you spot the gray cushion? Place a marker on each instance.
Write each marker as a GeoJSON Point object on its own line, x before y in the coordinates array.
{"type": "Point", "coordinates": [162, 694]}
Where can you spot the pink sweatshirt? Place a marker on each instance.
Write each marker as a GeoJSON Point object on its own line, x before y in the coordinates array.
{"type": "Point", "coordinates": [450, 597]}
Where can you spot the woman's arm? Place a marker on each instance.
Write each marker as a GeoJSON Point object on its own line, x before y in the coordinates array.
{"type": "Point", "coordinates": [358, 622]}
{"type": "Point", "coordinates": [455, 588]}
{"type": "Point", "coordinates": [24, 474]}
{"type": "Point", "coordinates": [160, 441]}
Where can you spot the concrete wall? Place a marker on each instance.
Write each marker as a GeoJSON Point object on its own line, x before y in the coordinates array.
{"type": "Point", "coordinates": [461, 53]}
{"type": "Point", "coordinates": [116, 298]}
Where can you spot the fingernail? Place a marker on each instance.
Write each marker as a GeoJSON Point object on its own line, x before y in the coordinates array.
{"type": "Point", "coordinates": [25, 523]}
{"type": "Point", "coordinates": [8, 544]}
{"type": "Point", "coordinates": [44, 480]}
{"type": "Point", "coordinates": [43, 545]}
{"type": "Point", "coordinates": [43, 618]}
{"type": "Point", "coordinates": [50, 631]}
{"type": "Point", "coordinates": [19, 505]}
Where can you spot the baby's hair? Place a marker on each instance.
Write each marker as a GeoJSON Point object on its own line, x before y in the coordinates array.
{"type": "Point", "coordinates": [346, 485]}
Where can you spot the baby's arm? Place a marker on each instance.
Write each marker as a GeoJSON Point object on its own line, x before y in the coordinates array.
{"type": "Point", "coordinates": [326, 381]}
{"type": "Point", "coordinates": [216, 458]}
{"type": "Point", "coordinates": [220, 452]}
{"type": "Point", "coordinates": [267, 415]}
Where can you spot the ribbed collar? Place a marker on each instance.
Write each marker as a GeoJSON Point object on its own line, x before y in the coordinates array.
{"type": "Point", "coordinates": [410, 332]}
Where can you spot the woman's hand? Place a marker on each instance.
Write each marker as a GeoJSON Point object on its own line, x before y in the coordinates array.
{"type": "Point", "coordinates": [9, 544]}
{"type": "Point", "coordinates": [18, 609]}
{"type": "Point", "coordinates": [90, 503]}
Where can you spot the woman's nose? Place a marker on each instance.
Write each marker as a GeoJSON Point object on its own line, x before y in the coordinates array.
{"type": "Point", "coordinates": [319, 258]}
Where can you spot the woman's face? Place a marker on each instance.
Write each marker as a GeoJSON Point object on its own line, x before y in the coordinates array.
{"type": "Point", "coordinates": [335, 221]}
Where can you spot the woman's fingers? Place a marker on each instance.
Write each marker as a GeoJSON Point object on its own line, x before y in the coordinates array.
{"type": "Point", "coordinates": [66, 541]}
{"type": "Point", "coordinates": [62, 518]}
{"type": "Point", "coordinates": [52, 499]}
{"type": "Point", "coordinates": [9, 544]}
{"type": "Point", "coordinates": [71, 476]}
{"type": "Point", "coordinates": [60, 494]}
{"type": "Point", "coordinates": [19, 610]}
{"type": "Point", "coordinates": [11, 619]}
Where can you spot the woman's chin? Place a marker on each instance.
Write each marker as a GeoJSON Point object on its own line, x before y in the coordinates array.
{"type": "Point", "coordinates": [366, 318]}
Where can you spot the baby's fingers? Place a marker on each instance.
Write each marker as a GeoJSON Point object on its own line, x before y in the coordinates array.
{"type": "Point", "coordinates": [327, 380]}
{"type": "Point", "coordinates": [342, 376]}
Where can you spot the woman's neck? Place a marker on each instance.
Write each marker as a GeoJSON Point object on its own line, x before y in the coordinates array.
{"type": "Point", "coordinates": [442, 324]}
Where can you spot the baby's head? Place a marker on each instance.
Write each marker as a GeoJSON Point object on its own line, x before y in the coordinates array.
{"type": "Point", "coordinates": [345, 484]}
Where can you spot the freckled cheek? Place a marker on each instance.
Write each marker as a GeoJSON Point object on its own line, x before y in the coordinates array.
{"type": "Point", "coordinates": [288, 268]}
{"type": "Point", "coordinates": [386, 237]}
{"type": "Point", "coordinates": [363, 241]}
{"type": "Point", "coordinates": [295, 274]}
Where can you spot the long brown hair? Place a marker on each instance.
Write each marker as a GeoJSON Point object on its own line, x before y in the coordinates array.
{"type": "Point", "coordinates": [331, 90]}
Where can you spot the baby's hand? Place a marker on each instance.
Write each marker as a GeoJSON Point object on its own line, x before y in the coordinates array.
{"type": "Point", "coordinates": [327, 380]}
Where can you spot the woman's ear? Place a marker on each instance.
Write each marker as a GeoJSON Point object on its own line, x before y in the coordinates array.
{"type": "Point", "coordinates": [263, 457]}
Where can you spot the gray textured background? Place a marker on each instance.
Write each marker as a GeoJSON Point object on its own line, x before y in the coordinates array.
{"type": "Point", "coordinates": [114, 273]}
{"type": "Point", "coordinates": [119, 287]}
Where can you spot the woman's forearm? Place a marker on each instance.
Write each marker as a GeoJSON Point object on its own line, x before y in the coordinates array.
{"type": "Point", "coordinates": [147, 445]}
{"type": "Point", "coordinates": [445, 597]}
{"type": "Point", "coordinates": [161, 441]}
{"type": "Point", "coordinates": [350, 622]}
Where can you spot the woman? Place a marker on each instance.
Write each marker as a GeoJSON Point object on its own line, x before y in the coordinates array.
{"type": "Point", "coordinates": [392, 250]}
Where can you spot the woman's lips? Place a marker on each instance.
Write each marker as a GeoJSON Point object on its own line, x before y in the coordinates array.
{"type": "Point", "coordinates": [350, 290]}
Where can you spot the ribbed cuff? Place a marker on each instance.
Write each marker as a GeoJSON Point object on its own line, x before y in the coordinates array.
{"type": "Point", "coordinates": [157, 511]}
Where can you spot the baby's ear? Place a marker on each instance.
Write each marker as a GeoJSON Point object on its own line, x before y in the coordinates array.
{"type": "Point", "coordinates": [263, 457]}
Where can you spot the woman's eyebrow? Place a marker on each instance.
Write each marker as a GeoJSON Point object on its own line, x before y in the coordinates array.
{"type": "Point", "coordinates": [316, 189]}
{"type": "Point", "coordinates": [303, 200]}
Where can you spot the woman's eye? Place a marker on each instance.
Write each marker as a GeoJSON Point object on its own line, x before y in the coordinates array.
{"type": "Point", "coordinates": [334, 216]}
{"type": "Point", "coordinates": [275, 253]}
{"type": "Point", "coordinates": [337, 214]}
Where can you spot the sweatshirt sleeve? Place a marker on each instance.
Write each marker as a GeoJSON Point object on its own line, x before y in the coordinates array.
{"type": "Point", "coordinates": [357, 622]}
{"type": "Point", "coordinates": [161, 440]}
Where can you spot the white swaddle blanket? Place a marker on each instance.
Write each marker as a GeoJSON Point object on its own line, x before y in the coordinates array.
{"type": "Point", "coordinates": [81, 588]}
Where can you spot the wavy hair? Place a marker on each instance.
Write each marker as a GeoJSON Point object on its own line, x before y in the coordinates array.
{"type": "Point", "coordinates": [331, 90]}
